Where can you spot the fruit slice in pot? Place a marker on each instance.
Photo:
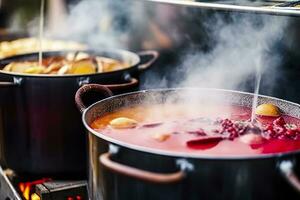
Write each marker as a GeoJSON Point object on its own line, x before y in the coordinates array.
{"type": "Point", "coordinates": [267, 110]}
{"type": "Point", "coordinates": [123, 123]}
{"type": "Point", "coordinates": [85, 66]}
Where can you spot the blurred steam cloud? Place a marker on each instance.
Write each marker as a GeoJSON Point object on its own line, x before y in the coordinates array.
{"type": "Point", "coordinates": [94, 22]}
{"type": "Point", "coordinates": [243, 43]}
{"type": "Point", "coordinates": [242, 49]}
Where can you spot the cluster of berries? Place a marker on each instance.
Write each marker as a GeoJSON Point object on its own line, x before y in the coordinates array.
{"type": "Point", "coordinates": [231, 129]}
{"type": "Point", "coordinates": [281, 130]}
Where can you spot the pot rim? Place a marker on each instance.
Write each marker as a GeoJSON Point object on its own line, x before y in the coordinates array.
{"type": "Point", "coordinates": [181, 154]}
{"type": "Point", "coordinates": [133, 55]}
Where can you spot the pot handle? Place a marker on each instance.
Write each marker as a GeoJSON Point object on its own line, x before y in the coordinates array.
{"type": "Point", "coordinates": [132, 82]}
{"type": "Point", "coordinates": [153, 177]}
{"type": "Point", "coordinates": [8, 84]}
{"type": "Point", "coordinates": [286, 168]}
{"type": "Point", "coordinates": [87, 88]}
{"type": "Point", "coordinates": [154, 55]}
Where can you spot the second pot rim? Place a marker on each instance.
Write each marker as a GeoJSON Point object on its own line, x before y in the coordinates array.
{"type": "Point", "coordinates": [133, 55]}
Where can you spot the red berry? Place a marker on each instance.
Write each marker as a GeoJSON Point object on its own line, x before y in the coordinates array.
{"type": "Point", "coordinates": [279, 129]}
{"type": "Point", "coordinates": [290, 132]}
{"type": "Point", "coordinates": [269, 127]}
{"type": "Point", "coordinates": [279, 121]}
{"type": "Point", "coordinates": [230, 129]}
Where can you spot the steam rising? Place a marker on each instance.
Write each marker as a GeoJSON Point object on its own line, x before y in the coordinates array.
{"type": "Point", "coordinates": [242, 50]}
{"type": "Point", "coordinates": [95, 23]}
{"type": "Point", "coordinates": [90, 21]}
{"type": "Point", "coordinates": [243, 45]}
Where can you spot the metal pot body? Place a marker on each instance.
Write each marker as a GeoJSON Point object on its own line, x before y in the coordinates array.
{"type": "Point", "coordinates": [261, 177]}
{"type": "Point", "coordinates": [257, 179]}
{"type": "Point", "coordinates": [41, 129]}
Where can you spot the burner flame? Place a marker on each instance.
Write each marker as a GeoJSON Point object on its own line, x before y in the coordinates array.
{"type": "Point", "coordinates": [26, 188]}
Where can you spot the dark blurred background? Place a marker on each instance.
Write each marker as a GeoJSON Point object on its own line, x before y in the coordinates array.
{"type": "Point", "coordinates": [174, 30]}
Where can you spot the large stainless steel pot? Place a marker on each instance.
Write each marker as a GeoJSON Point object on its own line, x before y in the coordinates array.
{"type": "Point", "coordinates": [40, 127]}
{"type": "Point", "coordinates": [118, 170]}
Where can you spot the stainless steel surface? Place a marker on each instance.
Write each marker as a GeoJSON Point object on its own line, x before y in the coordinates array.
{"type": "Point", "coordinates": [7, 190]}
{"type": "Point", "coordinates": [56, 190]}
{"type": "Point", "coordinates": [237, 8]}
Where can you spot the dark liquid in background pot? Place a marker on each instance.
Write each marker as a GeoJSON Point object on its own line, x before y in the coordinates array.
{"type": "Point", "coordinates": [185, 124]}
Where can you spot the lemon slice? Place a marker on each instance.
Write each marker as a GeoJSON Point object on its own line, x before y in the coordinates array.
{"type": "Point", "coordinates": [20, 67]}
{"type": "Point", "coordinates": [267, 110]}
{"type": "Point", "coordinates": [161, 137]}
{"type": "Point", "coordinates": [122, 123]}
{"type": "Point", "coordinates": [85, 66]}
{"type": "Point", "coordinates": [35, 70]}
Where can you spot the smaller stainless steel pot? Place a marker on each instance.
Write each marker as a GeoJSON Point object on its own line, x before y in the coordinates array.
{"type": "Point", "coordinates": [118, 170]}
{"type": "Point", "coordinates": [40, 127]}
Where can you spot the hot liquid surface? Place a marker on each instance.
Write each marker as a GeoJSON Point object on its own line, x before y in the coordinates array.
{"type": "Point", "coordinates": [181, 121]}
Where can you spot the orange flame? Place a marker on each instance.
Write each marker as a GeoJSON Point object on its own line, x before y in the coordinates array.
{"type": "Point", "coordinates": [27, 187]}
